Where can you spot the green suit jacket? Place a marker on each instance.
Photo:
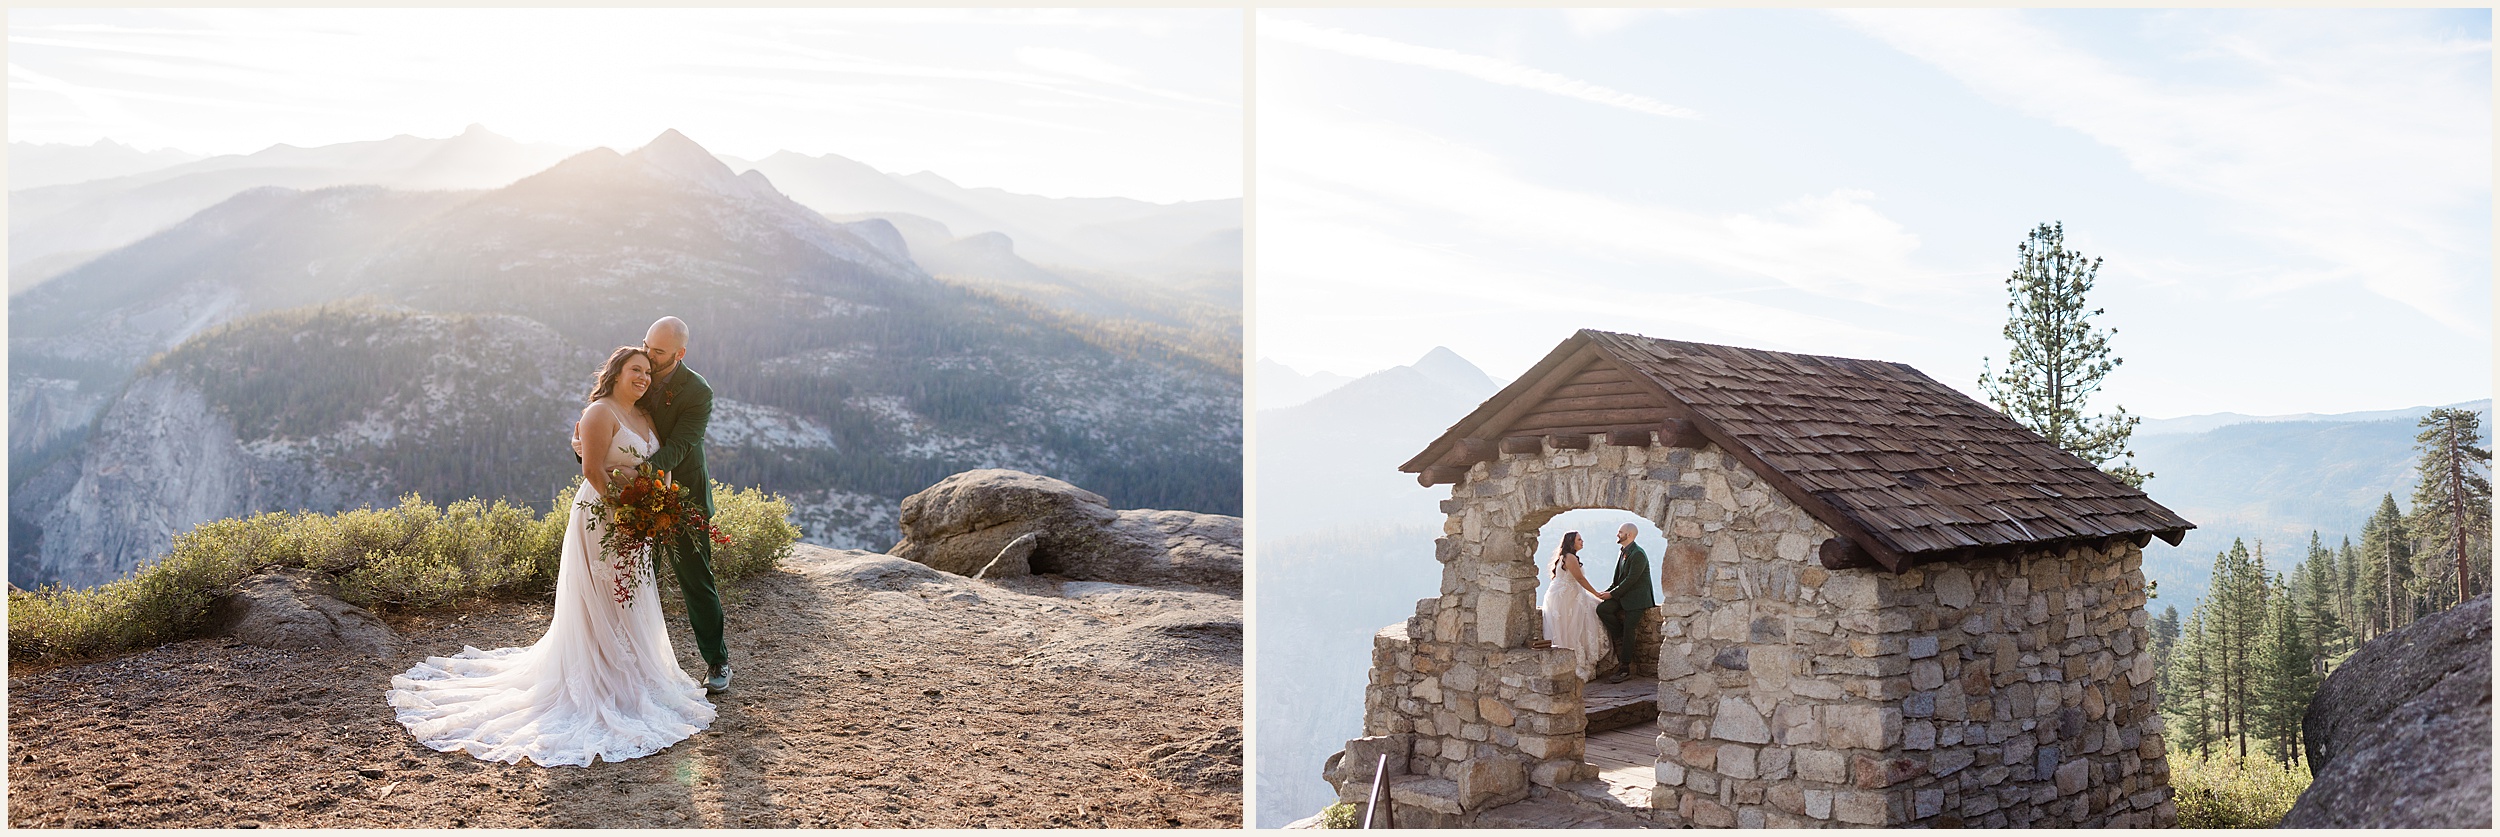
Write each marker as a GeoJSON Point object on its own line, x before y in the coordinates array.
{"type": "Point", "coordinates": [1632, 587]}
{"type": "Point", "coordinates": [680, 408]}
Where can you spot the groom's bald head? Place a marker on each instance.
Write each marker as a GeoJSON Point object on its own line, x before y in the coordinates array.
{"type": "Point", "coordinates": [666, 342]}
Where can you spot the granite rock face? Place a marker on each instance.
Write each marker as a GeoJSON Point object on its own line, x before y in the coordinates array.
{"type": "Point", "coordinates": [2400, 735]}
{"type": "Point", "coordinates": [966, 522]}
{"type": "Point", "coordinates": [285, 610]}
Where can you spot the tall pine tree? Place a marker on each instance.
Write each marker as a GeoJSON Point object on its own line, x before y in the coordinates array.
{"type": "Point", "coordinates": [2252, 609]}
{"type": "Point", "coordinates": [2191, 686]}
{"type": "Point", "coordinates": [2387, 568]}
{"type": "Point", "coordinates": [2314, 586]}
{"type": "Point", "coordinates": [2287, 677]}
{"type": "Point", "coordinates": [2452, 506]}
{"type": "Point", "coordinates": [2350, 590]}
{"type": "Point", "coordinates": [2058, 358]}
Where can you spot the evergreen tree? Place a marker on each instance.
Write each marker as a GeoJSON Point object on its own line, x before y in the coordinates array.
{"type": "Point", "coordinates": [2165, 636]}
{"type": "Point", "coordinates": [2190, 684]}
{"type": "Point", "coordinates": [2289, 678]}
{"type": "Point", "coordinates": [2348, 590]}
{"type": "Point", "coordinates": [2432, 586]}
{"type": "Point", "coordinates": [2452, 505]}
{"type": "Point", "coordinates": [2314, 587]}
{"type": "Point", "coordinates": [2058, 359]}
{"type": "Point", "coordinates": [2250, 610]}
{"type": "Point", "coordinates": [2387, 568]}
{"type": "Point", "coordinates": [2165, 639]}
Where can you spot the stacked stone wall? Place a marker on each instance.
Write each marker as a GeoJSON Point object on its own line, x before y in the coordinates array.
{"type": "Point", "coordinates": [1992, 694]}
{"type": "Point", "coordinates": [2000, 693]}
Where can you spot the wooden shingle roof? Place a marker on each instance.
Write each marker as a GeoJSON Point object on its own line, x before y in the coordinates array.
{"type": "Point", "coordinates": [1908, 469]}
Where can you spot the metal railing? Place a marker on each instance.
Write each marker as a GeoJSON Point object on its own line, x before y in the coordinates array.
{"type": "Point", "coordinates": [1388, 816]}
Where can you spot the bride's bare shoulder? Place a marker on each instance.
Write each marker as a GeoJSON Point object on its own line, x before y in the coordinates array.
{"type": "Point", "coordinates": [599, 414]}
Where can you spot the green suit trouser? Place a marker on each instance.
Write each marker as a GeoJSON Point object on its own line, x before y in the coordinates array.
{"type": "Point", "coordinates": [1618, 621]}
{"type": "Point", "coordinates": [691, 554]}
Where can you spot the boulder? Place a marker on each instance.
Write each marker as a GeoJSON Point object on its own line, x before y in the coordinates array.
{"type": "Point", "coordinates": [1015, 559]}
{"type": "Point", "coordinates": [972, 522]}
{"type": "Point", "coordinates": [1185, 547]}
{"type": "Point", "coordinates": [2400, 735]}
{"type": "Point", "coordinates": [292, 611]}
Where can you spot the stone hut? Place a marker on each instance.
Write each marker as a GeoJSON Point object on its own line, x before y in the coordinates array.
{"type": "Point", "coordinates": [1882, 604]}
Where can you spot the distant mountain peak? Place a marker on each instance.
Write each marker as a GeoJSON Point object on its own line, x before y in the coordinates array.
{"type": "Point", "coordinates": [1442, 364]}
{"type": "Point", "coordinates": [988, 242]}
{"type": "Point", "coordinates": [673, 146]}
{"type": "Point", "coordinates": [676, 154]}
{"type": "Point", "coordinates": [1441, 355]}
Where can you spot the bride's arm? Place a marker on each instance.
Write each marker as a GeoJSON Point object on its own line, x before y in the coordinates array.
{"type": "Point", "coordinates": [597, 432]}
{"type": "Point", "coordinates": [1572, 563]}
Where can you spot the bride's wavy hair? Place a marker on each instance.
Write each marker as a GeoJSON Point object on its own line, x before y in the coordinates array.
{"type": "Point", "coordinates": [1570, 544]}
{"type": "Point", "coordinates": [613, 369]}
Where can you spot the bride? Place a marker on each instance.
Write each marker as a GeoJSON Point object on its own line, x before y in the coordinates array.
{"type": "Point", "coordinates": [1571, 609]}
{"type": "Point", "coordinates": [603, 682]}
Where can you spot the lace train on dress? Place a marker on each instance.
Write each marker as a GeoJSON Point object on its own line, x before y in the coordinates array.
{"type": "Point", "coordinates": [602, 684]}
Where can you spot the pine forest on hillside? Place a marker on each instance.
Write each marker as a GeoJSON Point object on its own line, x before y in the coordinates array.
{"type": "Point", "coordinates": [2239, 669]}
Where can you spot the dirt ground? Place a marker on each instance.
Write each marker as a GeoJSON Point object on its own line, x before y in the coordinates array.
{"type": "Point", "coordinates": [911, 706]}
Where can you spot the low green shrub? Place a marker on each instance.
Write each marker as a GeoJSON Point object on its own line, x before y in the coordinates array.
{"type": "Point", "coordinates": [2226, 791]}
{"type": "Point", "coordinates": [411, 556]}
{"type": "Point", "coordinates": [1340, 815]}
{"type": "Point", "coordinates": [759, 530]}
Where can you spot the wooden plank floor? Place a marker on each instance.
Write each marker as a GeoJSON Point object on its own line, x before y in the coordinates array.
{"type": "Point", "coordinates": [1625, 757]}
{"type": "Point", "coordinates": [1601, 696]}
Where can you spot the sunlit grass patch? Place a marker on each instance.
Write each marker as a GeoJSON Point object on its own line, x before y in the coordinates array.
{"type": "Point", "coordinates": [2228, 792]}
{"type": "Point", "coordinates": [413, 555]}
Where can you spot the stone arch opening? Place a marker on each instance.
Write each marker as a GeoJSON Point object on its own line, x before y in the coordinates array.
{"type": "Point", "coordinates": [1486, 718]}
{"type": "Point", "coordinates": [1599, 560]}
{"type": "Point", "coordinates": [1616, 742]}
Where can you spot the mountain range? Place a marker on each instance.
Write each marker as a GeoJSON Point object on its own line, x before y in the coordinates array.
{"type": "Point", "coordinates": [1190, 239]}
{"type": "Point", "coordinates": [1331, 462]}
{"type": "Point", "coordinates": [333, 347]}
{"type": "Point", "coordinates": [56, 227]}
{"type": "Point", "coordinates": [33, 164]}
{"type": "Point", "coordinates": [1281, 386]}
{"type": "Point", "coordinates": [2275, 479]}
{"type": "Point", "coordinates": [68, 204]}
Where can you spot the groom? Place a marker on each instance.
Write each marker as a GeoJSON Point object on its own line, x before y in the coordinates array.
{"type": "Point", "coordinates": [680, 404]}
{"type": "Point", "coordinates": [1621, 607]}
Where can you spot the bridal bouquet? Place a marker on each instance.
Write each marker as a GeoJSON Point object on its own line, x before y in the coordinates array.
{"type": "Point", "coordinates": [637, 512]}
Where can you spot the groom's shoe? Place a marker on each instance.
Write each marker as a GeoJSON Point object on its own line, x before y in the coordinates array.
{"type": "Point", "coordinates": [719, 681]}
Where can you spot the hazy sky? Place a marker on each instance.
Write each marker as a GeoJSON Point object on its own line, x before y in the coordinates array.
{"type": "Point", "coordinates": [1137, 103]}
{"type": "Point", "coordinates": [2294, 206]}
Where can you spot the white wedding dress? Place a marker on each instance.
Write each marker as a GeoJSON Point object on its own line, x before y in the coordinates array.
{"type": "Point", "coordinates": [602, 683]}
{"type": "Point", "coordinates": [1571, 620]}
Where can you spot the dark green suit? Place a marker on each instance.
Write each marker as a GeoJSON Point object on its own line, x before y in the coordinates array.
{"type": "Point", "coordinates": [680, 408]}
{"type": "Point", "coordinates": [1631, 597]}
